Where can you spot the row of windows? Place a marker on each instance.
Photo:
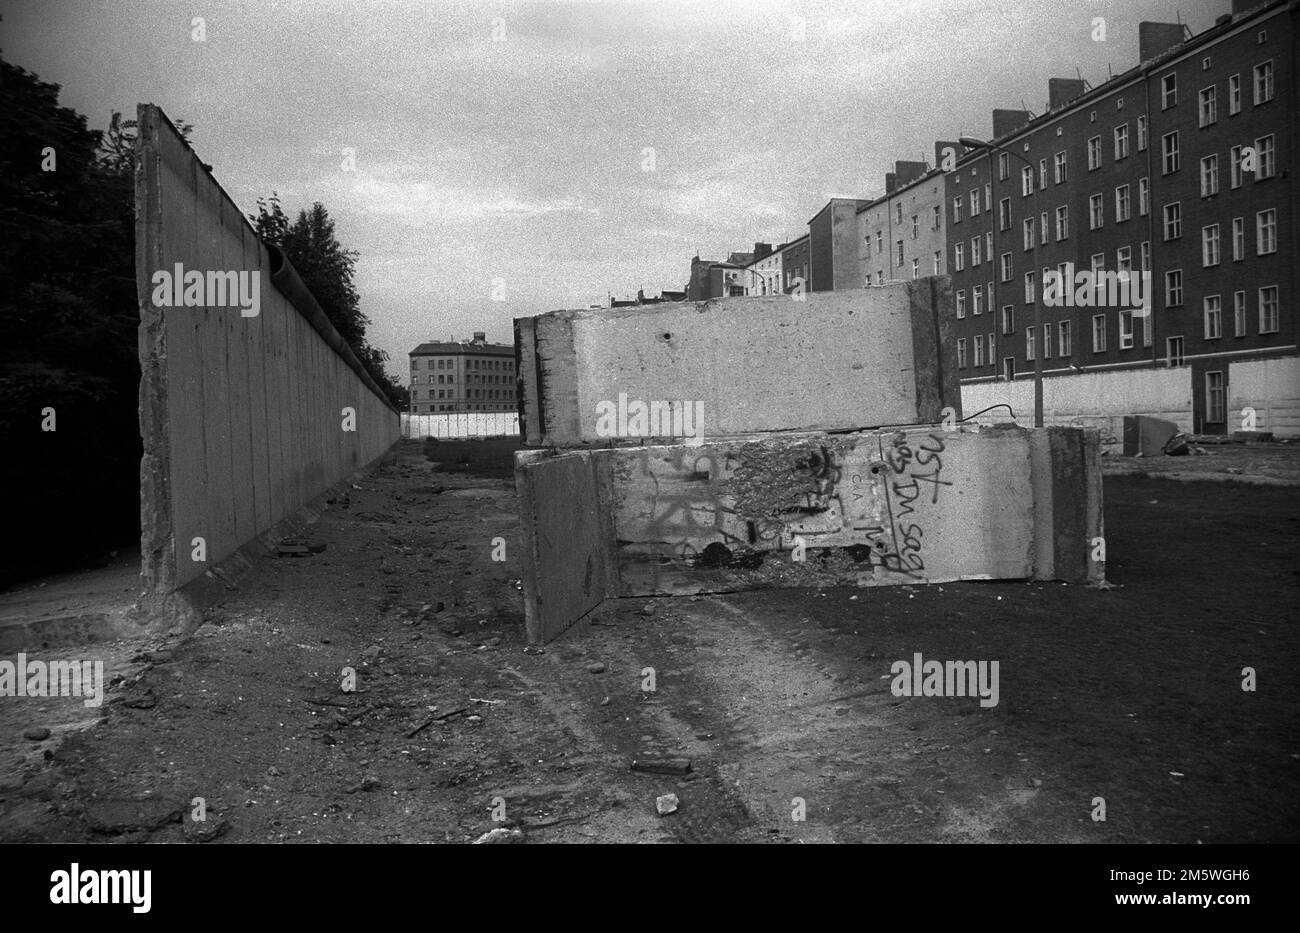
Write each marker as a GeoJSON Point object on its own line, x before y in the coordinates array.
{"type": "Point", "coordinates": [1263, 157]}
{"type": "Point", "coordinates": [935, 219]}
{"type": "Point", "coordinates": [470, 364]}
{"type": "Point", "coordinates": [471, 393]}
{"type": "Point", "coordinates": [985, 348]}
{"type": "Point", "coordinates": [1265, 234]}
{"type": "Point", "coordinates": [417, 409]}
{"type": "Point", "coordinates": [450, 379]}
{"type": "Point", "coordinates": [1207, 98]}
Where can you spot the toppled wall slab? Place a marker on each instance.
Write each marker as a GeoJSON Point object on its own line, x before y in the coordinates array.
{"type": "Point", "coordinates": [922, 505]}
{"type": "Point", "coordinates": [841, 360]}
{"type": "Point", "coordinates": [245, 388]}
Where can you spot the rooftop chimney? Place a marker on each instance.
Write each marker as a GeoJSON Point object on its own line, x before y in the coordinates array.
{"type": "Point", "coordinates": [1241, 6]}
{"type": "Point", "coordinates": [1060, 91]}
{"type": "Point", "coordinates": [890, 179]}
{"type": "Point", "coordinates": [907, 172]}
{"type": "Point", "coordinates": [1157, 38]}
{"type": "Point", "coordinates": [480, 337]}
{"type": "Point", "coordinates": [1004, 121]}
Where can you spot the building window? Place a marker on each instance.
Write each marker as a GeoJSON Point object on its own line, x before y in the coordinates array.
{"type": "Point", "coordinates": [1210, 176]}
{"type": "Point", "coordinates": [956, 209]}
{"type": "Point", "coordinates": [988, 196]}
{"type": "Point", "coordinates": [1142, 133]}
{"type": "Point", "coordinates": [1168, 91]}
{"type": "Point", "coordinates": [976, 257]}
{"type": "Point", "coordinates": [1266, 232]}
{"type": "Point", "coordinates": [1124, 259]}
{"type": "Point", "coordinates": [1207, 107]}
{"type": "Point", "coordinates": [1059, 175]}
{"type": "Point", "coordinates": [1144, 196]}
{"type": "Point", "coordinates": [1213, 314]}
{"type": "Point", "coordinates": [916, 226]}
{"type": "Point", "coordinates": [1008, 319]}
{"type": "Point", "coordinates": [959, 257]}
{"type": "Point", "coordinates": [988, 246]}
{"type": "Point", "coordinates": [1029, 343]}
{"type": "Point", "coordinates": [1238, 239]}
{"type": "Point", "coordinates": [961, 352]}
{"type": "Point", "coordinates": [1029, 232]}
{"type": "Point", "coordinates": [1238, 314]}
{"type": "Point", "coordinates": [1062, 222]}
{"type": "Point", "coordinates": [1234, 94]}
{"type": "Point", "coordinates": [1064, 340]}
{"type": "Point", "coordinates": [1210, 245]}
{"type": "Point", "coordinates": [977, 300]}
{"type": "Point", "coordinates": [880, 248]}
{"type": "Point", "coordinates": [1121, 142]}
{"type": "Point", "coordinates": [1123, 207]}
{"type": "Point", "coordinates": [1042, 174]}
{"type": "Point", "coordinates": [1268, 309]}
{"type": "Point", "coordinates": [1098, 262]}
{"type": "Point", "coordinates": [1008, 368]}
{"type": "Point", "coordinates": [1144, 256]}
{"type": "Point", "coordinates": [916, 268]}
{"type": "Point", "coordinates": [1173, 288]}
{"type": "Point", "coordinates": [938, 261]}
{"type": "Point", "coordinates": [898, 248]}
{"type": "Point", "coordinates": [1126, 330]}
{"type": "Point", "coordinates": [1169, 152]}
{"type": "Point", "coordinates": [1265, 161]}
{"type": "Point", "coordinates": [1099, 333]}
{"type": "Point", "coordinates": [1173, 220]}
{"type": "Point", "coordinates": [898, 214]}
{"type": "Point", "coordinates": [1006, 267]}
{"type": "Point", "coordinates": [1234, 167]}
{"type": "Point", "coordinates": [1216, 411]}
{"type": "Point", "coordinates": [1174, 351]}
{"type": "Point", "coordinates": [1094, 153]}
{"type": "Point", "coordinates": [1029, 288]}
{"type": "Point", "coordinates": [1004, 214]}
{"type": "Point", "coordinates": [979, 350]}
{"type": "Point", "coordinates": [1004, 166]}
{"type": "Point", "coordinates": [1263, 82]}
{"type": "Point", "coordinates": [1096, 212]}
{"type": "Point", "coordinates": [961, 303]}
{"type": "Point", "coordinates": [1026, 181]}
{"type": "Point", "coordinates": [974, 202]}
{"type": "Point", "coordinates": [934, 221]}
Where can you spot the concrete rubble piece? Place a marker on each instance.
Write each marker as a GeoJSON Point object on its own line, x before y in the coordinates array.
{"type": "Point", "coordinates": [871, 508]}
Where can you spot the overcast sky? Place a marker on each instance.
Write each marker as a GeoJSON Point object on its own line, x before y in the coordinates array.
{"type": "Point", "coordinates": [522, 157]}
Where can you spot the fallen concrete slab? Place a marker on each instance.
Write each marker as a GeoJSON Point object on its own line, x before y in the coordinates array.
{"type": "Point", "coordinates": [843, 360]}
{"type": "Point", "coordinates": [915, 506]}
{"type": "Point", "coordinates": [1146, 436]}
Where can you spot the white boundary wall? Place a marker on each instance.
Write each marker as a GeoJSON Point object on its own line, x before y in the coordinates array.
{"type": "Point", "coordinates": [1091, 400]}
{"type": "Point", "coordinates": [1272, 388]}
{"type": "Point", "coordinates": [461, 424]}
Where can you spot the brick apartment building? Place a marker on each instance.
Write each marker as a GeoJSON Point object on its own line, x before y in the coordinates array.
{"type": "Point", "coordinates": [1151, 171]}
{"type": "Point", "coordinates": [462, 376]}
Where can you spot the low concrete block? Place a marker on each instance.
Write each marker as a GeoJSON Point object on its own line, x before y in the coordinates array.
{"type": "Point", "coordinates": [840, 360]}
{"type": "Point", "coordinates": [1146, 435]}
{"type": "Point", "coordinates": [914, 506]}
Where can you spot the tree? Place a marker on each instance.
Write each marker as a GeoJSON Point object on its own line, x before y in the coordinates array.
{"type": "Point", "coordinates": [327, 269]}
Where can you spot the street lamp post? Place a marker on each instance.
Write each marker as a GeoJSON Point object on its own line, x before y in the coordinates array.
{"type": "Point", "coordinates": [971, 142]}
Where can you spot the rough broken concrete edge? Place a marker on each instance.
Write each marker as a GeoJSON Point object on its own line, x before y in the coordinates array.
{"type": "Point", "coordinates": [157, 545]}
{"type": "Point", "coordinates": [182, 611]}
{"type": "Point", "coordinates": [934, 355]}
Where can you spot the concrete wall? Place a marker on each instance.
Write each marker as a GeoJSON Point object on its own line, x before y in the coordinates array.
{"type": "Point", "coordinates": [1272, 388]}
{"type": "Point", "coordinates": [872, 509]}
{"type": "Point", "coordinates": [241, 416]}
{"type": "Point", "coordinates": [1093, 400]}
{"type": "Point", "coordinates": [461, 424]}
{"type": "Point", "coordinates": [839, 360]}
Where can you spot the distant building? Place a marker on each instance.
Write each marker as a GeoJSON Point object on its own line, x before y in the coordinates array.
{"type": "Point", "coordinates": [796, 260]}
{"type": "Point", "coordinates": [641, 299]}
{"type": "Point", "coordinates": [901, 233]}
{"type": "Point", "coordinates": [722, 279]}
{"type": "Point", "coordinates": [463, 376]}
{"type": "Point", "coordinates": [833, 246]}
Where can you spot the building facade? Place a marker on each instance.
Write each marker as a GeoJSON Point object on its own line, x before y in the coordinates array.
{"type": "Point", "coordinates": [463, 376]}
{"type": "Point", "coordinates": [833, 246]}
{"type": "Point", "coordinates": [1177, 168]}
{"type": "Point", "coordinates": [901, 235]}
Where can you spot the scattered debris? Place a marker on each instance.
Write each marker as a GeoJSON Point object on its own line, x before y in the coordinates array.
{"type": "Point", "coordinates": [367, 784]}
{"type": "Point", "coordinates": [500, 836]}
{"type": "Point", "coordinates": [205, 830]}
{"type": "Point", "coordinates": [666, 804]}
{"type": "Point", "coordinates": [39, 734]}
{"type": "Point", "coordinates": [596, 667]}
{"type": "Point", "coordinates": [428, 722]}
{"type": "Point", "coordinates": [662, 765]}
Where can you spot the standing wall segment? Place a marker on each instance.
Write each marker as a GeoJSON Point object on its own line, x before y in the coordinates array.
{"type": "Point", "coordinates": [249, 409]}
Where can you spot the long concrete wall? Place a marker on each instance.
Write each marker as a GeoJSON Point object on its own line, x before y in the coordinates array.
{"type": "Point", "coordinates": [919, 506]}
{"type": "Point", "coordinates": [461, 424]}
{"type": "Point", "coordinates": [1091, 400]}
{"type": "Point", "coordinates": [842, 360]}
{"type": "Point", "coordinates": [242, 415]}
{"type": "Point", "coordinates": [1272, 388]}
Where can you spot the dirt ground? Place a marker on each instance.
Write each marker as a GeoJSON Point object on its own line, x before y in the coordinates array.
{"type": "Point", "coordinates": [1132, 694]}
